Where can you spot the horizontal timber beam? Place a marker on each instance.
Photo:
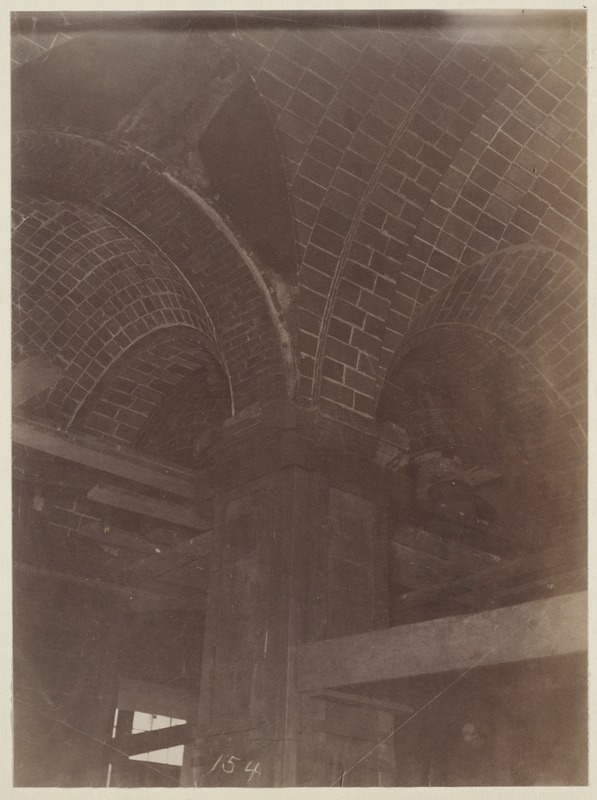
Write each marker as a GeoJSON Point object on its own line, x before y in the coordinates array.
{"type": "Point", "coordinates": [539, 629]}
{"type": "Point", "coordinates": [149, 507]}
{"type": "Point", "coordinates": [352, 699]}
{"type": "Point", "coordinates": [116, 537]}
{"type": "Point", "coordinates": [489, 579]}
{"type": "Point", "coordinates": [460, 557]}
{"type": "Point", "coordinates": [88, 451]}
{"type": "Point", "coordinates": [134, 744]}
{"type": "Point", "coordinates": [197, 547]}
{"type": "Point", "coordinates": [169, 560]}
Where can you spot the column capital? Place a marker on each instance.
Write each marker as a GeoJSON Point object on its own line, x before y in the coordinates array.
{"type": "Point", "coordinates": [267, 437]}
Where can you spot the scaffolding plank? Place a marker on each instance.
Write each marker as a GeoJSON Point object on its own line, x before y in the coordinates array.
{"type": "Point", "coordinates": [134, 744]}
{"type": "Point", "coordinates": [116, 460]}
{"type": "Point", "coordinates": [152, 507]}
{"type": "Point", "coordinates": [539, 629]}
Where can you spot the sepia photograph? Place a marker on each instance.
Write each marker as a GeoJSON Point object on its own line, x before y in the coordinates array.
{"type": "Point", "coordinates": [299, 398]}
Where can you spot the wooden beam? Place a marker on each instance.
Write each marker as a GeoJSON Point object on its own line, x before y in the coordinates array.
{"type": "Point", "coordinates": [558, 581]}
{"type": "Point", "coordinates": [492, 540]}
{"type": "Point", "coordinates": [410, 572]}
{"type": "Point", "coordinates": [173, 558]}
{"type": "Point", "coordinates": [565, 554]}
{"type": "Point", "coordinates": [87, 451]}
{"type": "Point", "coordinates": [117, 537]}
{"type": "Point", "coordinates": [571, 553]}
{"type": "Point", "coordinates": [434, 593]}
{"type": "Point", "coordinates": [353, 699]}
{"type": "Point", "coordinates": [33, 376]}
{"type": "Point", "coordinates": [420, 558]}
{"type": "Point", "coordinates": [420, 570]}
{"type": "Point", "coordinates": [196, 547]}
{"type": "Point", "coordinates": [539, 629]}
{"type": "Point", "coordinates": [463, 559]}
{"type": "Point", "coordinates": [149, 507]}
{"type": "Point", "coordinates": [135, 743]}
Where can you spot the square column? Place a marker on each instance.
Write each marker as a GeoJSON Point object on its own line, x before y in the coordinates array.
{"type": "Point", "coordinates": [301, 555]}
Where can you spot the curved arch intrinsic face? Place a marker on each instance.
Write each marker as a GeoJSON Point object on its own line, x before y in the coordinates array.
{"type": "Point", "coordinates": [87, 290]}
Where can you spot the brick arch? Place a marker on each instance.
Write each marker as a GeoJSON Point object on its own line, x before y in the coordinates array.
{"type": "Point", "coordinates": [497, 360]}
{"type": "Point", "coordinates": [140, 380]}
{"type": "Point", "coordinates": [465, 395]}
{"type": "Point", "coordinates": [463, 362]}
{"type": "Point", "coordinates": [520, 176]}
{"type": "Point", "coordinates": [385, 179]}
{"type": "Point", "coordinates": [365, 150]}
{"type": "Point", "coordinates": [198, 406]}
{"type": "Point", "coordinates": [425, 403]}
{"type": "Point", "coordinates": [85, 290]}
{"type": "Point", "coordinates": [157, 92]}
{"type": "Point", "coordinates": [216, 266]}
{"type": "Point", "coordinates": [533, 300]}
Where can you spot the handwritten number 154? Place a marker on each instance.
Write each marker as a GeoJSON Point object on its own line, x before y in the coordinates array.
{"type": "Point", "coordinates": [229, 764]}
